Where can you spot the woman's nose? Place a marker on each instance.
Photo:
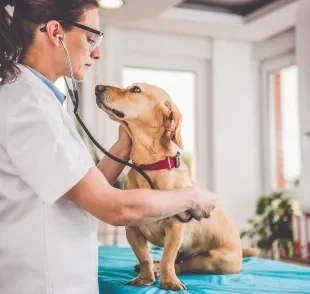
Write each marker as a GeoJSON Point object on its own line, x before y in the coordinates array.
{"type": "Point", "coordinates": [95, 54]}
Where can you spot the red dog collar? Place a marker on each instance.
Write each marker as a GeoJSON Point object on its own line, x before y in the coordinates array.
{"type": "Point", "coordinates": [169, 163]}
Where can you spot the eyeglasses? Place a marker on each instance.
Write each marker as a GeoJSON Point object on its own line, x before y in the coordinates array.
{"type": "Point", "coordinates": [91, 36]}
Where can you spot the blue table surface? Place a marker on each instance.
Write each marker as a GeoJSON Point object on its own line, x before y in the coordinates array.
{"type": "Point", "coordinates": [257, 276]}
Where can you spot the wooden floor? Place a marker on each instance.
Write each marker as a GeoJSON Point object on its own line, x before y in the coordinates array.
{"type": "Point", "coordinates": [296, 260]}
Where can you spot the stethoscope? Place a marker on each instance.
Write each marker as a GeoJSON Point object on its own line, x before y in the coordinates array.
{"type": "Point", "coordinates": [75, 100]}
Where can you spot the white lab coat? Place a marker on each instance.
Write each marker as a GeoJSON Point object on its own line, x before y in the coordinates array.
{"type": "Point", "coordinates": [47, 243]}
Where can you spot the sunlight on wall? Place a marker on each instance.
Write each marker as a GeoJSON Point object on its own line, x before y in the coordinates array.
{"type": "Point", "coordinates": [290, 123]}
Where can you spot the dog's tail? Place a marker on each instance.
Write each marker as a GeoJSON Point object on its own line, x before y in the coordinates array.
{"type": "Point", "coordinates": [248, 252]}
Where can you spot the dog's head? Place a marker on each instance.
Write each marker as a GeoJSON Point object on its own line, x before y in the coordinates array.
{"type": "Point", "coordinates": [142, 106]}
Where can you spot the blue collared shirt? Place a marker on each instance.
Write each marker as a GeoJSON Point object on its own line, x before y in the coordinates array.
{"type": "Point", "coordinates": [59, 95]}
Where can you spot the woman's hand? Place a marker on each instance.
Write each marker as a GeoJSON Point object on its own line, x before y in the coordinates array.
{"type": "Point", "coordinates": [121, 149]}
{"type": "Point", "coordinates": [205, 203]}
{"type": "Point", "coordinates": [124, 142]}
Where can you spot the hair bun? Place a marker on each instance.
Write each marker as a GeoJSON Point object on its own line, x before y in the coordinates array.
{"type": "Point", "coordinates": [11, 2]}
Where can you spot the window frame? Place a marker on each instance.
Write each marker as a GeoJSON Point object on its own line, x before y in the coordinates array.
{"type": "Point", "coordinates": [268, 67]}
{"type": "Point", "coordinates": [202, 69]}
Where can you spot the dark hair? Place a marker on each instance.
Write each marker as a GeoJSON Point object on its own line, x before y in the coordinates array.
{"type": "Point", "coordinates": [17, 32]}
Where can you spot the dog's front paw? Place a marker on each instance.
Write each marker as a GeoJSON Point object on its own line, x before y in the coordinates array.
{"type": "Point", "coordinates": [173, 284]}
{"type": "Point", "coordinates": [139, 281]}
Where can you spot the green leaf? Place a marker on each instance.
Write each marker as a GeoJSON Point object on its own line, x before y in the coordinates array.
{"type": "Point", "coordinates": [262, 231]}
{"type": "Point", "coordinates": [270, 217]}
{"type": "Point", "coordinates": [243, 234]}
{"type": "Point", "coordinates": [290, 248]}
{"type": "Point", "coordinates": [256, 226]}
{"type": "Point", "coordinates": [251, 221]}
{"type": "Point", "coordinates": [277, 195]}
{"type": "Point", "coordinates": [252, 234]}
{"type": "Point", "coordinates": [262, 204]}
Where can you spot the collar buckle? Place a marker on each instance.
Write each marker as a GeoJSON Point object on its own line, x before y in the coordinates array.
{"type": "Point", "coordinates": [177, 160]}
{"type": "Point", "coordinates": [169, 163]}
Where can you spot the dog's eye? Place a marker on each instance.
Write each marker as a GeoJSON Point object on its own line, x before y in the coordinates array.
{"type": "Point", "coordinates": [135, 89]}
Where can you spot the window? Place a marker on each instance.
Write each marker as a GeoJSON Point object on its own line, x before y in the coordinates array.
{"type": "Point", "coordinates": [180, 85]}
{"type": "Point", "coordinates": [285, 130]}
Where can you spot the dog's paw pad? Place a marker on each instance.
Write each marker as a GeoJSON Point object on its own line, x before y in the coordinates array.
{"type": "Point", "coordinates": [174, 285]}
{"type": "Point", "coordinates": [139, 281]}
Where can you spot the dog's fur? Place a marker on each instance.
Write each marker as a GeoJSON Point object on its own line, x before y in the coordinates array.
{"type": "Point", "coordinates": [211, 245]}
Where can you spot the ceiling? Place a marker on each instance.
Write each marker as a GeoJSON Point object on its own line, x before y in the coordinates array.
{"type": "Point", "coordinates": [240, 20]}
{"type": "Point", "coordinates": [239, 7]}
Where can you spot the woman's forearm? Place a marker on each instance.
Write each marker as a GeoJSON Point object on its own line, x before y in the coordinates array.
{"type": "Point", "coordinates": [138, 206]}
{"type": "Point", "coordinates": [110, 168]}
{"type": "Point", "coordinates": [147, 206]}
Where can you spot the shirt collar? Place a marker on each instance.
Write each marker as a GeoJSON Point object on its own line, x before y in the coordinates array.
{"type": "Point", "coordinates": [59, 95]}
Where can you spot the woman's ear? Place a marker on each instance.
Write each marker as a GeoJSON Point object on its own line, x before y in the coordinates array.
{"type": "Point", "coordinates": [172, 119]}
{"type": "Point", "coordinates": [55, 32]}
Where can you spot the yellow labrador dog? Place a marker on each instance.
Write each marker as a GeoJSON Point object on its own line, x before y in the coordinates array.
{"type": "Point", "coordinates": [211, 245]}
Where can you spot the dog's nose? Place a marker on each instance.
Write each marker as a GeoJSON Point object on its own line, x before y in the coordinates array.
{"type": "Point", "coordinates": [100, 89]}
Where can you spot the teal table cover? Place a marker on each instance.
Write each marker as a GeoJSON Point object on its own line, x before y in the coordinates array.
{"type": "Point", "coordinates": [258, 276]}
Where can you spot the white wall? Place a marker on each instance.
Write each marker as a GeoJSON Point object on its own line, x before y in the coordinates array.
{"type": "Point", "coordinates": [228, 96]}
{"type": "Point", "coordinates": [303, 63]}
{"type": "Point", "coordinates": [236, 128]}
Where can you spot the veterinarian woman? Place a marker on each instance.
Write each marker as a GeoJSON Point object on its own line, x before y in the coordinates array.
{"type": "Point", "coordinates": [51, 193]}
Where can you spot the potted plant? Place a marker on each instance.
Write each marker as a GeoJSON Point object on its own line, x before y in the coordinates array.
{"type": "Point", "coordinates": [271, 228]}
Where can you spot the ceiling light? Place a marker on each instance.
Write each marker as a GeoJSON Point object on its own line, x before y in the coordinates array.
{"type": "Point", "coordinates": [111, 4]}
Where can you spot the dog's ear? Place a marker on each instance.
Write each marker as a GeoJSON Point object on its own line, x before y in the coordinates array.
{"type": "Point", "coordinates": [171, 119]}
